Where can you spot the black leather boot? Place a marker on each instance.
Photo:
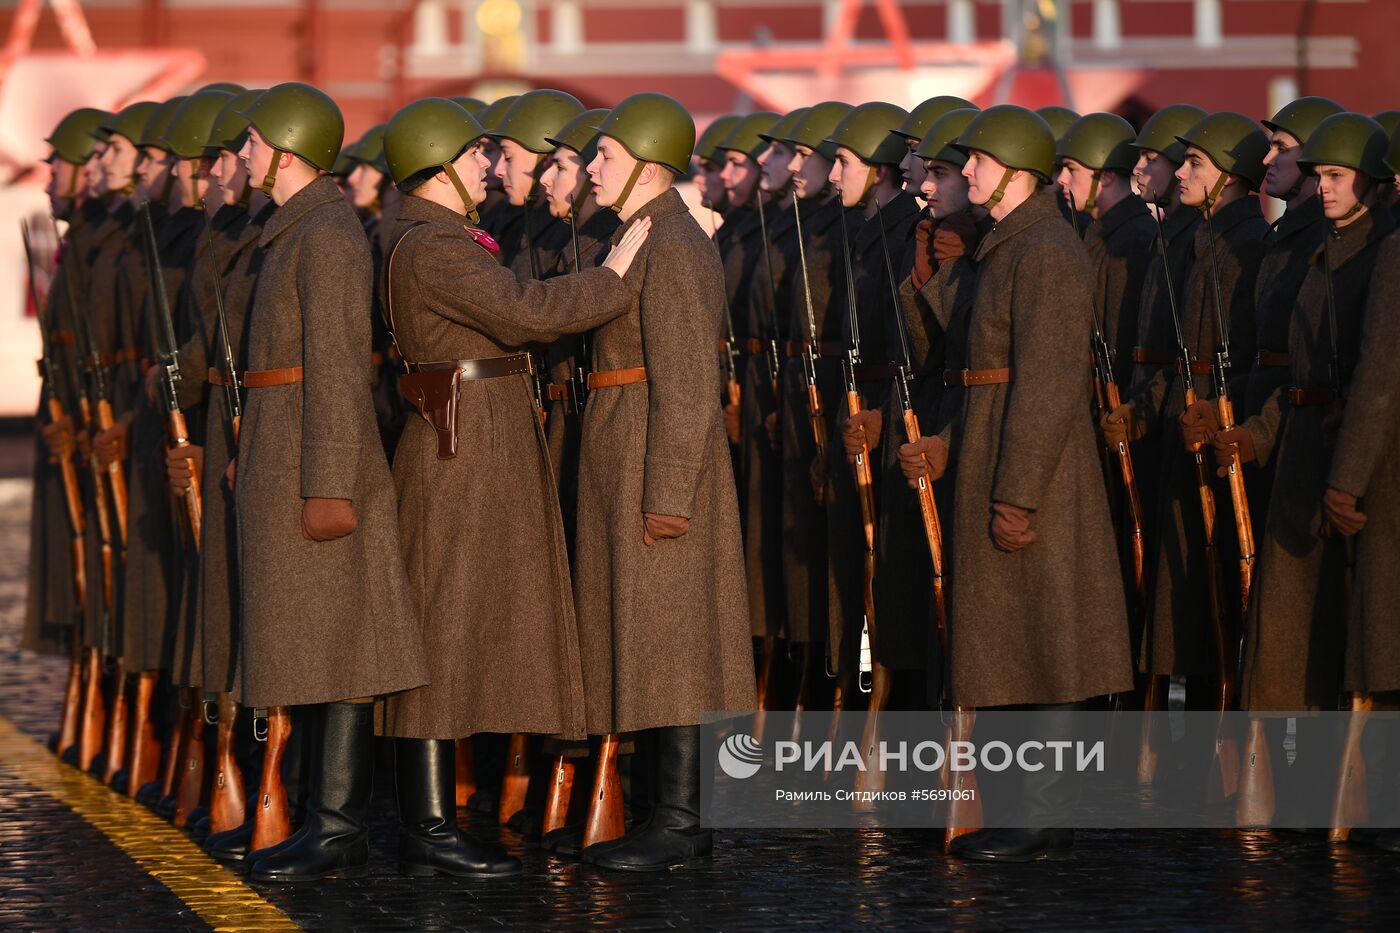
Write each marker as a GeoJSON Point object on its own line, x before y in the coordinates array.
{"type": "Point", "coordinates": [1050, 797]}
{"type": "Point", "coordinates": [425, 784]}
{"type": "Point", "coordinates": [672, 834]}
{"type": "Point", "coordinates": [335, 840]}
{"type": "Point", "coordinates": [231, 845]}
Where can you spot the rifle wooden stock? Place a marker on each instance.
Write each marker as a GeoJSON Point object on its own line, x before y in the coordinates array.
{"type": "Point", "coordinates": [145, 744]}
{"type": "Point", "coordinates": [115, 477]}
{"type": "Point", "coordinates": [814, 408]}
{"type": "Point", "coordinates": [516, 781]}
{"type": "Point", "coordinates": [170, 770]}
{"type": "Point", "coordinates": [731, 391]}
{"type": "Point", "coordinates": [1244, 529]}
{"type": "Point", "coordinates": [561, 794]}
{"type": "Point", "coordinates": [466, 771]}
{"type": "Point", "coordinates": [1153, 733]}
{"type": "Point", "coordinates": [194, 506]}
{"type": "Point", "coordinates": [933, 534]}
{"type": "Point", "coordinates": [1349, 805]}
{"type": "Point", "coordinates": [72, 700]}
{"type": "Point", "coordinates": [964, 815]}
{"type": "Point", "coordinates": [73, 501]}
{"type": "Point", "coordinates": [605, 815]}
{"type": "Point", "coordinates": [116, 725]}
{"type": "Point", "coordinates": [191, 787]}
{"type": "Point", "coordinates": [872, 778]}
{"type": "Point", "coordinates": [227, 800]}
{"type": "Point", "coordinates": [1136, 536]}
{"type": "Point", "coordinates": [94, 712]}
{"type": "Point", "coordinates": [1255, 803]}
{"type": "Point", "coordinates": [865, 482]}
{"type": "Point", "coordinates": [273, 822]}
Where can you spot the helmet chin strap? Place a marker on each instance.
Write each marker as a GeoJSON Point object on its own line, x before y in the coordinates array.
{"type": "Point", "coordinates": [270, 178]}
{"type": "Point", "coordinates": [1000, 193]}
{"type": "Point", "coordinates": [467, 201]}
{"type": "Point", "coordinates": [870, 175]}
{"type": "Point", "coordinates": [1215, 192]}
{"type": "Point", "coordinates": [1092, 201]}
{"type": "Point", "coordinates": [627, 188]}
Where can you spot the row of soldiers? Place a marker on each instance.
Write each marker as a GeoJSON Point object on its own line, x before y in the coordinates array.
{"type": "Point", "coordinates": [544, 380]}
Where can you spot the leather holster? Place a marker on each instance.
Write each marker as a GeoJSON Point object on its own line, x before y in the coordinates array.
{"type": "Point", "coordinates": [434, 394]}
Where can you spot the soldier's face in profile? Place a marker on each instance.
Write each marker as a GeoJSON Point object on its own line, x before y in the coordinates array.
{"type": "Point", "coordinates": [1198, 177]}
{"type": "Point", "coordinates": [944, 188]}
{"type": "Point", "coordinates": [773, 166]}
{"type": "Point", "coordinates": [152, 170]}
{"type": "Point", "coordinates": [516, 170]}
{"type": "Point", "coordinates": [64, 177]}
{"type": "Point", "coordinates": [563, 181]}
{"type": "Point", "coordinates": [983, 174]}
{"type": "Point", "coordinates": [609, 170]}
{"type": "Point", "coordinates": [492, 152]}
{"type": "Point", "coordinates": [1153, 176]}
{"type": "Point", "coordinates": [231, 174]}
{"type": "Point", "coordinates": [809, 171]}
{"type": "Point", "coordinates": [1283, 173]}
{"type": "Point", "coordinates": [1075, 180]}
{"type": "Point", "coordinates": [256, 154]}
{"type": "Point", "coordinates": [471, 167]}
{"type": "Point", "coordinates": [364, 183]}
{"type": "Point", "coordinates": [913, 169]}
{"type": "Point", "coordinates": [119, 163]}
{"type": "Point", "coordinates": [1342, 189]}
{"type": "Point", "coordinates": [849, 175]}
{"type": "Point", "coordinates": [716, 198]}
{"type": "Point", "coordinates": [739, 176]}
{"type": "Point", "coordinates": [93, 174]}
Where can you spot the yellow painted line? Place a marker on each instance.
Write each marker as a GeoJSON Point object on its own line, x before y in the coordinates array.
{"type": "Point", "coordinates": [218, 897]}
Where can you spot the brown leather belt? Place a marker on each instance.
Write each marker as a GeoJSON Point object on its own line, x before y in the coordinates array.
{"type": "Point", "coordinates": [376, 358]}
{"type": "Point", "coordinates": [217, 377]}
{"type": "Point", "coordinates": [1197, 368]}
{"type": "Point", "coordinates": [486, 367]}
{"type": "Point", "coordinates": [267, 378]}
{"type": "Point", "coordinates": [824, 347]}
{"type": "Point", "coordinates": [752, 346]}
{"type": "Point", "coordinates": [65, 337]}
{"type": "Point", "coordinates": [1153, 357]}
{"type": "Point", "coordinates": [558, 392]}
{"type": "Point", "coordinates": [1273, 359]}
{"type": "Point", "coordinates": [1308, 398]}
{"type": "Point", "coordinates": [874, 373]}
{"type": "Point", "coordinates": [124, 355]}
{"type": "Point", "coordinates": [612, 378]}
{"type": "Point", "coordinates": [977, 377]}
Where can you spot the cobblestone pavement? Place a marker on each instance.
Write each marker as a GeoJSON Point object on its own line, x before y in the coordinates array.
{"type": "Point", "coordinates": [58, 870]}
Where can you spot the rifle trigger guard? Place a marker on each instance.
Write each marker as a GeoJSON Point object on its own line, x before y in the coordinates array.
{"type": "Point", "coordinates": [210, 713]}
{"type": "Point", "coordinates": [865, 681]}
{"type": "Point", "coordinates": [260, 725]}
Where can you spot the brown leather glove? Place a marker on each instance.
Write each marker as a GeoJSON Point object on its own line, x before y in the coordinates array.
{"type": "Point", "coordinates": [1227, 443]}
{"type": "Point", "coordinates": [327, 519]}
{"type": "Point", "coordinates": [925, 457]}
{"type": "Point", "coordinates": [924, 264]}
{"type": "Point", "coordinates": [956, 237]}
{"type": "Point", "coordinates": [862, 427]}
{"type": "Point", "coordinates": [660, 527]}
{"type": "Point", "coordinates": [1011, 527]}
{"type": "Point", "coordinates": [817, 474]}
{"type": "Point", "coordinates": [177, 466]}
{"type": "Point", "coordinates": [1339, 514]}
{"type": "Point", "coordinates": [231, 474]}
{"type": "Point", "coordinates": [731, 423]}
{"type": "Point", "coordinates": [775, 431]}
{"type": "Point", "coordinates": [1117, 425]}
{"type": "Point", "coordinates": [58, 438]}
{"type": "Point", "coordinates": [110, 445]}
{"type": "Point", "coordinates": [1198, 424]}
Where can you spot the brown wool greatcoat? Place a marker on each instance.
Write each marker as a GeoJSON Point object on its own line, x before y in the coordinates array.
{"type": "Point", "coordinates": [1295, 638]}
{"type": "Point", "coordinates": [52, 609]}
{"type": "Point", "coordinates": [322, 620]}
{"type": "Point", "coordinates": [1048, 623]}
{"type": "Point", "coordinates": [158, 550]}
{"type": "Point", "coordinates": [760, 464]}
{"type": "Point", "coordinates": [664, 627]}
{"type": "Point", "coordinates": [1366, 464]}
{"type": "Point", "coordinates": [803, 520]}
{"type": "Point", "coordinates": [218, 615]}
{"type": "Point", "coordinates": [481, 532]}
{"type": "Point", "coordinates": [1177, 639]}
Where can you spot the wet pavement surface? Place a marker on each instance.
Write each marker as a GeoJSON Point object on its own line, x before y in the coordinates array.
{"type": "Point", "coordinates": [58, 871]}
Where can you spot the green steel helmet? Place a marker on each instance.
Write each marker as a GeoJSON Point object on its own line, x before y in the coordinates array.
{"type": "Point", "coordinates": [490, 115]}
{"type": "Point", "coordinates": [299, 119]}
{"type": "Point", "coordinates": [536, 116]}
{"type": "Point", "coordinates": [153, 133]}
{"type": "Point", "coordinates": [747, 134]}
{"type": "Point", "coordinates": [129, 121]}
{"type": "Point", "coordinates": [343, 166]}
{"type": "Point", "coordinates": [653, 128]}
{"type": "Point", "coordinates": [1302, 116]}
{"type": "Point", "coordinates": [188, 133]}
{"type": "Point", "coordinates": [1016, 137]}
{"type": "Point", "coordinates": [230, 129]}
{"type": "Point", "coordinates": [926, 114]}
{"type": "Point", "coordinates": [1100, 141]}
{"type": "Point", "coordinates": [472, 105]}
{"type": "Point", "coordinates": [1392, 154]}
{"type": "Point", "coordinates": [716, 131]}
{"type": "Point", "coordinates": [74, 139]}
{"type": "Point", "coordinates": [937, 143]}
{"type": "Point", "coordinates": [1059, 118]}
{"type": "Point", "coordinates": [869, 132]}
{"type": "Point", "coordinates": [1389, 121]}
{"type": "Point", "coordinates": [1234, 142]}
{"type": "Point", "coordinates": [581, 134]}
{"type": "Point", "coordinates": [228, 87]}
{"type": "Point", "coordinates": [1160, 132]}
{"type": "Point", "coordinates": [426, 135]}
{"type": "Point", "coordinates": [369, 148]}
{"type": "Point", "coordinates": [1351, 140]}
{"type": "Point", "coordinates": [780, 131]}
{"type": "Point", "coordinates": [816, 127]}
